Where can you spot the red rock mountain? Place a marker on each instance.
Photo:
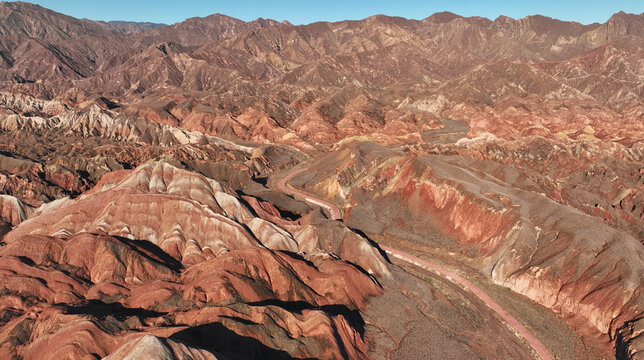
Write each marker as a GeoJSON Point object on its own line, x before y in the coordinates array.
{"type": "Point", "coordinates": [141, 211]}
{"type": "Point", "coordinates": [301, 85]}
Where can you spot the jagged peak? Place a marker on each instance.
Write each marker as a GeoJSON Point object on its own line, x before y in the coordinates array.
{"type": "Point", "coordinates": [442, 17]}
{"type": "Point", "coordinates": [624, 16]}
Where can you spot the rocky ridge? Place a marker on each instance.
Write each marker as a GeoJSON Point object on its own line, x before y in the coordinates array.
{"type": "Point", "coordinates": [113, 251]}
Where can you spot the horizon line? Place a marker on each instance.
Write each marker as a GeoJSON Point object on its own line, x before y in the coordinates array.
{"type": "Point", "coordinates": [328, 21]}
{"type": "Point", "coordinates": [358, 19]}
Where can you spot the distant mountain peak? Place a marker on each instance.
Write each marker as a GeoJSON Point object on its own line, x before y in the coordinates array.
{"type": "Point", "coordinates": [443, 17]}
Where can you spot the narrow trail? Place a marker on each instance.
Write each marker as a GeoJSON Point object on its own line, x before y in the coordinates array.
{"type": "Point", "coordinates": [516, 326]}
{"type": "Point", "coordinates": [281, 186]}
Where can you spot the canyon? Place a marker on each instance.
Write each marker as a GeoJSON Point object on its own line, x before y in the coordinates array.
{"type": "Point", "coordinates": [387, 188]}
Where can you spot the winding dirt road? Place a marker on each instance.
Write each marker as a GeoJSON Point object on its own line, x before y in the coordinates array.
{"type": "Point", "coordinates": [283, 187]}
{"type": "Point", "coordinates": [516, 326]}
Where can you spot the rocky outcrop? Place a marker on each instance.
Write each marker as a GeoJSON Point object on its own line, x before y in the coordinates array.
{"type": "Point", "coordinates": [137, 163]}
{"type": "Point", "coordinates": [212, 267]}
{"type": "Point", "coordinates": [96, 122]}
{"type": "Point", "coordinates": [13, 210]}
{"type": "Point", "coordinates": [587, 272]}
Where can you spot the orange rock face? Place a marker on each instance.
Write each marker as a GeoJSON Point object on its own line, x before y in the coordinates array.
{"type": "Point", "coordinates": [113, 263]}
{"type": "Point", "coordinates": [573, 263]}
{"type": "Point", "coordinates": [139, 212]}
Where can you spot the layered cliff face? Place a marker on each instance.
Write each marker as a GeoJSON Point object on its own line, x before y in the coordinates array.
{"type": "Point", "coordinates": [171, 253]}
{"type": "Point", "coordinates": [139, 212]}
{"type": "Point", "coordinates": [503, 221]}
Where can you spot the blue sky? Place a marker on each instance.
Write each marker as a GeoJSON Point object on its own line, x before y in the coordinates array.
{"type": "Point", "coordinates": [307, 11]}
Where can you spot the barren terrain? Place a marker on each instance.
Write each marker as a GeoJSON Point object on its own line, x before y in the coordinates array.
{"type": "Point", "coordinates": [445, 188]}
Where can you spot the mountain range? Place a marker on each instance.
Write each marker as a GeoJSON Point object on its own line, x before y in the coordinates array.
{"type": "Point", "coordinates": [226, 189]}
